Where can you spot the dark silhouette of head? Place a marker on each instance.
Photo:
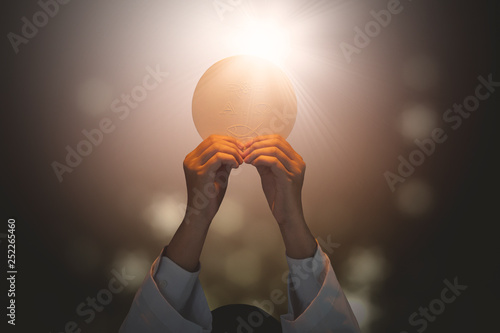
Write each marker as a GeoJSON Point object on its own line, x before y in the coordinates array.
{"type": "Point", "coordinates": [242, 318]}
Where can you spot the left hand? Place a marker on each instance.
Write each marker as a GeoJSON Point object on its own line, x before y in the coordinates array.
{"type": "Point", "coordinates": [282, 175]}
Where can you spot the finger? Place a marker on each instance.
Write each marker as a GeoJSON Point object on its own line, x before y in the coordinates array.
{"type": "Point", "coordinates": [277, 168]}
{"type": "Point", "coordinates": [263, 138]}
{"type": "Point", "coordinates": [272, 152]}
{"type": "Point", "coordinates": [220, 159]}
{"type": "Point", "coordinates": [223, 147]}
{"type": "Point", "coordinates": [272, 141]}
{"type": "Point", "coordinates": [218, 138]}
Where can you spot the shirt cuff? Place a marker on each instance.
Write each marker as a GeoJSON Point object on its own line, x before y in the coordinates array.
{"type": "Point", "coordinates": [175, 283]}
{"type": "Point", "coordinates": [314, 265]}
{"type": "Point", "coordinates": [306, 278]}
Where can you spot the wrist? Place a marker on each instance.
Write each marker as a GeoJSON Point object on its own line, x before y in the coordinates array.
{"type": "Point", "coordinates": [187, 243]}
{"type": "Point", "coordinates": [298, 239]}
{"type": "Point", "coordinates": [289, 214]}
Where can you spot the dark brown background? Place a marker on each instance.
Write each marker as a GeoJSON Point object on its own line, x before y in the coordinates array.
{"type": "Point", "coordinates": [72, 234]}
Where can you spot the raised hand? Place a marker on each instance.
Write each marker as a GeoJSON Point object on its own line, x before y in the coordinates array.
{"type": "Point", "coordinates": [207, 170]}
{"type": "Point", "coordinates": [282, 175]}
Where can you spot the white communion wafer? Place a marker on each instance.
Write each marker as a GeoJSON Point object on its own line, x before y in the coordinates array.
{"type": "Point", "coordinates": [243, 97]}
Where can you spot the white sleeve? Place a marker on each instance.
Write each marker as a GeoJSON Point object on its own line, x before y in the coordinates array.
{"type": "Point", "coordinates": [169, 300]}
{"type": "Point", "coordinates": [316, 302]}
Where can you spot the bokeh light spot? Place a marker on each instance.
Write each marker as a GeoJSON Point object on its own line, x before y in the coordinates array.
{"type": "Point", "coordinates": [136, 264]}
{"type": "Point", "coordinates": [360, 308]}
{"type": "Point", "coordinates": [417, 122]}
{"type": "Point", "coordinates": [230, 217]}
{"type": "Point", "coordinates": [164, 215]}
{"type": "Point", "coordinates": [415, 198]}
{"type": "Point", "coordinates": [365, 267]}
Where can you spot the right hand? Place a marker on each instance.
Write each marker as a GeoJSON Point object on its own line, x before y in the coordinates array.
{"type": "Point", "coordinates": [207, 170]}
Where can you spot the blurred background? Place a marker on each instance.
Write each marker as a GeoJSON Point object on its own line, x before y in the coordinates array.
{"type": "Point", "coordinates": [114, 210]}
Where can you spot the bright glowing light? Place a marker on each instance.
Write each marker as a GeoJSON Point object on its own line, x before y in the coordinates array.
{"type": "Point", "coordinates": [262, 39]}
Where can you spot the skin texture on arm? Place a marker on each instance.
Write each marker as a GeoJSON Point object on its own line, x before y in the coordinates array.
{"type": "Point", "coordinates": [207, 170]}
{"type": "Point", "coordinates": [282, 175]}
{"type": "Point", "coordinates": [180, 304]}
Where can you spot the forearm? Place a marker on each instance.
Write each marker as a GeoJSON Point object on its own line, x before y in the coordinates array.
{"type": "Point", "coordinates": [298, 240]}
{"type": "Point", "coordinates": [186, 245]}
